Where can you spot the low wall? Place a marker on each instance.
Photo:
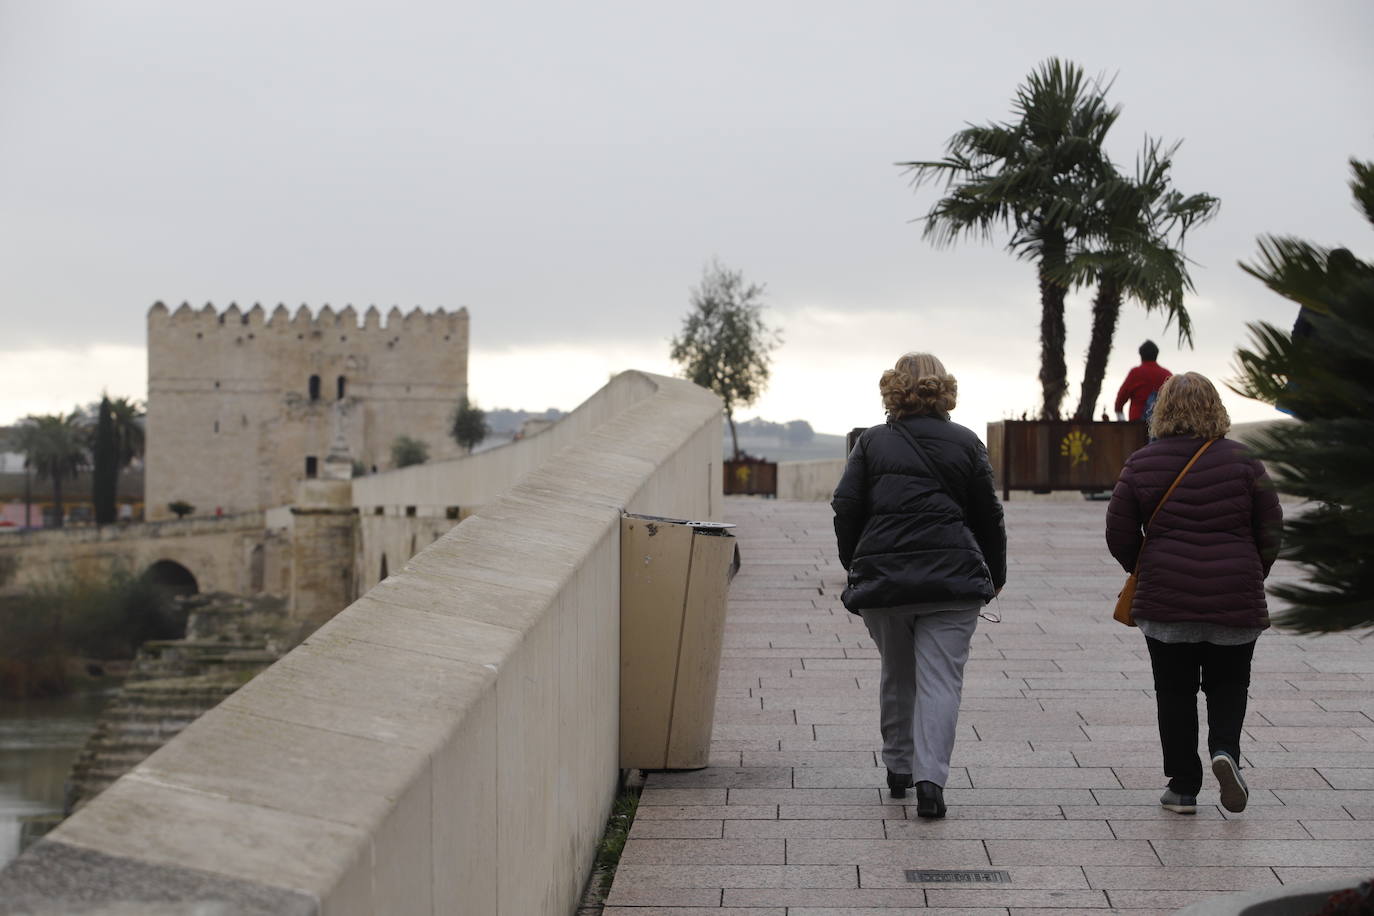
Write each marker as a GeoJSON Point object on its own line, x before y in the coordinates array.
{"type": "Point", "coordinates": [813, 481]}
{"type": "Point", "coordinates": [470, 481]}
{"type": "Point", "coordinates": [217, 551]}
{"type": "Point", "coordinates": [404, 510]}
{"type": "Point", "coordinates": [446, 744]}
{"type": "Point", "coordinates": [388, 541]}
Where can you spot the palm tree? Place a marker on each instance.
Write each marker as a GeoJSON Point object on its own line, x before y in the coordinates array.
{"type": "Point", "coordinates": [1031, 176]}
{"type": "Point", "coordinates": [127, 416]}
{"type": "Point", "coordinates": [104, 471]}
{"type": "Point", "coordinates": [1133, 248]}
{"type": "Point", "coordinates": [1322, 372]}
{"type": "Point", "coordinates": [54, 446]}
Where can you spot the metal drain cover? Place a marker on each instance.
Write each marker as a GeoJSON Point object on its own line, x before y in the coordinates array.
{"type": "Point", "coordinates": [956, 876]}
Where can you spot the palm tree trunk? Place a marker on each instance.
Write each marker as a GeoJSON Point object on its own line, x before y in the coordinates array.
{"type": "Point", "coordinates": [1106, 311]}
{"type": "Point", "coordinates": [57, 500]}
{"type": "Point", "coordinates": [1054, 375]}
{"type": "Point", "coordinates": [734, 436]}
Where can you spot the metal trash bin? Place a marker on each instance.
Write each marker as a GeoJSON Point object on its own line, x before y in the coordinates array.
{"type": "Point", "coordinates": [674, 576]}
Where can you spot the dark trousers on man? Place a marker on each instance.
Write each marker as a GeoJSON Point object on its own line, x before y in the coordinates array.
{"type": "Point", "coordinates": [1223, 672]}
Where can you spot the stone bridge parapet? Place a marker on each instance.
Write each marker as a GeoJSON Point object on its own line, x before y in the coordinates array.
{"type": "Point", "coordinates": [217, 551]}
{"type": "Point", "coordinates": [448, 742]}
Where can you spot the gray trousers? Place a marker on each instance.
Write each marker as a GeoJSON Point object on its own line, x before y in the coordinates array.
{"type": "Point", "coordinates": [923, 656]}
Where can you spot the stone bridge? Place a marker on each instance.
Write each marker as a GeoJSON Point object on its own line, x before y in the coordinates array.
{"type": "Point", "coordinates": [446, 743]}
{"type": "Point", "coordinates": [227, 554]}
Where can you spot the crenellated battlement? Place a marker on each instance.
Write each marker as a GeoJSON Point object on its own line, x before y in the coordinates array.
{"type": "Point", "coordinates": [246, 401]}
{"type": "Point", "coordinates": [208, 317]}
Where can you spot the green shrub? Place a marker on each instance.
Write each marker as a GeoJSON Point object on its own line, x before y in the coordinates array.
{"type": "Point", "coordinates": [31, 657]}
{"type": "Point", "coordinates": [79, 616]}
{"type": "Point", "coordinates": [406, 451]}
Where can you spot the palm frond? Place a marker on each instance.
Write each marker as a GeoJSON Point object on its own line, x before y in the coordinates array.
{"type": "Point", "coordinates": [1294, 269]}
{"type": "Point", "coordinates": [1362, 187]}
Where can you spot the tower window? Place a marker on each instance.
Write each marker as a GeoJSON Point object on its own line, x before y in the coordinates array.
{"type": "Point", "coordinates": [216, 426]}
{"type": "Point", "coordinates": [312, 466]}
{"type": "Point", "coordinates": [341, 388]}
{"type": "Point", "coordinates": [314, 387]}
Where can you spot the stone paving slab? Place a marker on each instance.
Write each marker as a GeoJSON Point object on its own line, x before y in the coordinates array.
{"type": "Point", "coordinates": [1056, 772]}
{"type": "Point", "coordinates": [857, 898]}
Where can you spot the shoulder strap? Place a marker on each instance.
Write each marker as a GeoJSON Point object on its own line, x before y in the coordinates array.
{"type": "Point", "coordinates": [1169, 492]}
{"type": "Point", "coordinates": [930, 465]}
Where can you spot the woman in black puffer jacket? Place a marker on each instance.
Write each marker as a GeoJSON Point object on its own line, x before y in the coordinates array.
{"type": "Point", "coordinates": [1200, 598]}
{"type": "Point", "coordinates": [919, 529]}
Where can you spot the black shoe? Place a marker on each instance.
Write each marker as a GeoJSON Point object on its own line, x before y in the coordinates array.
{"type": "Point", "coordinates": [1178, 802]}
{"type": "Point", "coordinates": [930, 800]}
{"type": "Point", "coordinates": [1234, 792]}
{"type": "Point", "coordinates": [898, 783]}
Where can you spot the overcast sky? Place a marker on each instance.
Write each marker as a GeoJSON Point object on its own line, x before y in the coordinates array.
{"type": "Point", "coordinates": [565, 171]}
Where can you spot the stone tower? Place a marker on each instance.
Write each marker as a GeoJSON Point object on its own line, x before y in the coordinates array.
{"type": "Point", "coordinates": [241, 405]}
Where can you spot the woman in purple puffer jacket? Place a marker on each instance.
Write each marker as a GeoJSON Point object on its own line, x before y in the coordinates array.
{"type": "Point", "coordinates": [1200, 597]}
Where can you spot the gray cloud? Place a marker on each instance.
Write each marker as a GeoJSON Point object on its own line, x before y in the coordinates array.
{"type": "Point", "coordinates": [565, 170]}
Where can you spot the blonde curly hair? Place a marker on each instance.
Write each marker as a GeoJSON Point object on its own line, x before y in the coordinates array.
{"type": "Point", "coordinates": [918, 386]}
{"type": "Point", "coordinates": [1188, 405]}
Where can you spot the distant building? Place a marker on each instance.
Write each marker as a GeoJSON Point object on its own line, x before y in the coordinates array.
{"type": "Point", "coordinates": [242, 405]}
{"type": "Point", "coordinates": [535, 425]}
{"type": "Point", "coordinates": [39, 510]}
{"type": "Point", "coordinates": [10, 462]}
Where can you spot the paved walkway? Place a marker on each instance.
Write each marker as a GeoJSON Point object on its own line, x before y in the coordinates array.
{"type": "Point", "coordinates": [1056, 772]}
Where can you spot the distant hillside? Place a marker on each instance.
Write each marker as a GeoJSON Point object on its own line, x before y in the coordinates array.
{"type": "Point", "coordinates": [791, 441]}
{"type": "Point", "coordinates": [504, 423]}
{"type": "Point", "coordinates": [506, 420]}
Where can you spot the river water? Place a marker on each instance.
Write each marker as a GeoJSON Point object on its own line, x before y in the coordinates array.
{"type": "Point", "coordinates": [39, 739]}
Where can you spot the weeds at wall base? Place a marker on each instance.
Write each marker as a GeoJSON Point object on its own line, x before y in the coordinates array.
{"type": "Point", "coordinates": [612, 844]}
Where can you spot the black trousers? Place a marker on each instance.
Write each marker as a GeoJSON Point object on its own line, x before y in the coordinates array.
{"type": "Point", "coordinates": [1180, 668]}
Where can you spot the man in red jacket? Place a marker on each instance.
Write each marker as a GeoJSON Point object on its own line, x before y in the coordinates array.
{"type": "Point", "coordinates": [1141, 382]}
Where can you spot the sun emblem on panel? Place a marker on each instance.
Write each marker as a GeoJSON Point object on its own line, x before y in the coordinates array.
{"type": "Point", "coordinates": [1075, 447]}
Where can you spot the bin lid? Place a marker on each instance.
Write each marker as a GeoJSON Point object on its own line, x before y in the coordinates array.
{"type": "Point", "coordinates": [702, 527]}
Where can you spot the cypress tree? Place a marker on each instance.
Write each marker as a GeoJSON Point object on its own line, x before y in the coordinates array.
{"type": "Point", "coordinates": [105, 472]}
{"type": "Point", "coordinates": [1323, 374]}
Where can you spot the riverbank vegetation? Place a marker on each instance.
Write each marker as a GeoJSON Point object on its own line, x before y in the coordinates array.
{"type": "Point", "coordinates": [56, 635]}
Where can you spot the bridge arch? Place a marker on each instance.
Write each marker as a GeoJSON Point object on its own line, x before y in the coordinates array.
{"type": "Point", "coordinates": [172, 576]}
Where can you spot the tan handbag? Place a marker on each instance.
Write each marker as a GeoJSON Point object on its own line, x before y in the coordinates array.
{"type": "Point", "coordinates": [1122, 613]}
